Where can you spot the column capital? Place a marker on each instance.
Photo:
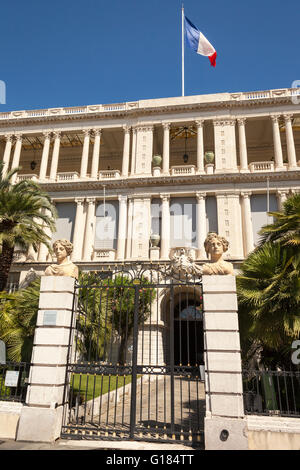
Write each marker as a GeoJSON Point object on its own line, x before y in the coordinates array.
{"type": "Point", "coordinates": [246, 194]}
{"type": "Point", "coordinates": [282, 192]}
{"type": "Point", "coordinates": [288, 117]}
{"type": "Point", "coordinates": [241, 121]}
{"type": "Point", "coordinates": [91, 200]}
{"type": "Point", "coordinates": [126, 128]}
{"type": "Point", "coordinates": [8, 137]}
{"type": "Point", "coordinates": [165, 196]}
{"type": "Point", "coordinates": [57, 134]}
{"type": "Point", "coordinates": [275, 118]}
{"type": "Point", "coordinates": [122, 198]}
{"type": "Point", "coordinates": [47, 134]}
{"type": "Point", "coordinates": [79, 200]}
{"type": "Point", "coordinates": [166, 125]}
{"type": "Point", "coordinates": [18, 136]}
{"type": "Point", "coordinates": [86, 132]}
{"type": "Point", "coordinates": [200, 195]}
{"type": "Point", "coordinates": [199, 123]}
{"type": "Point", "coordinates": [97, 131]}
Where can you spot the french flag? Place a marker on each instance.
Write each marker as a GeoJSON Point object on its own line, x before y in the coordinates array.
{"type": "Point", "coordinates": [198, 42]}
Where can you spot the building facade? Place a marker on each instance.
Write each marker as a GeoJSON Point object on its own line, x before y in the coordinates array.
{"type": "Point", "coordinates": [226, 160]}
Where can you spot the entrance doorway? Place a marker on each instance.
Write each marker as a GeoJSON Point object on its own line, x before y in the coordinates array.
{"type": "Point", "coordinates": [188, 333]}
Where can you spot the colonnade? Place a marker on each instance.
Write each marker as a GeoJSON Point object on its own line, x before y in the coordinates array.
{"type": "Point", "coordinates": [130, 144]}
{"type": "Point", "coordinates": [84, 225]}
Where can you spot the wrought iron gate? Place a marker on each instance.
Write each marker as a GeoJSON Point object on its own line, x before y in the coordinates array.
{"type": "Point", "coordinates": [135, 364]}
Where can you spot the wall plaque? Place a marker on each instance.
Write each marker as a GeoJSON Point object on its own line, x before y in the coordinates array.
{"type": "Point", "coordinates": [49, 318]}
{"type": "Point", "coordinates": [11, 378]}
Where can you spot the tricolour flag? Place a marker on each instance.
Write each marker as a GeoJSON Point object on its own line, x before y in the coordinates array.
{"type": "Point", "coordinates": [198, 42]}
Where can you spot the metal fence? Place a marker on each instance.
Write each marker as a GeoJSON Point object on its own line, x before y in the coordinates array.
{"type": "Point", "coordinates": [136, 358]}
{"type": "Point", "coordinates": [13, 381]}
{"type": "Point", "coordinates": [274, 393]}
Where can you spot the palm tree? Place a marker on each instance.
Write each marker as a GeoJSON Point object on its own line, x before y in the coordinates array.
{"type": "Point", "coordinates": [18, 315]}
{"type": "Point", "coordinates": [286, 227]}
{"type": "Point", "coordinates": [269, 299]}
{"type": "Point", "coordinates": [25, 212]}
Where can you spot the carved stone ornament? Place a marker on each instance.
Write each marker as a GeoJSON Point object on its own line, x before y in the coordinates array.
{"type": "Point", "coordinates": [62, 249]}
{"type": "Point", "coordinates": [182, 262]}
{"type": "Point", "coordinates": [215, 246]}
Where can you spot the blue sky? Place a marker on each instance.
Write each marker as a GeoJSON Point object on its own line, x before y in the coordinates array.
{"type": "Point", "coordinates": [69, 53]}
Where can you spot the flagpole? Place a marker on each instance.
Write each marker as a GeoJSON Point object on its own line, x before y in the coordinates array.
{"type": "Point", "coordinates": [182, 47]}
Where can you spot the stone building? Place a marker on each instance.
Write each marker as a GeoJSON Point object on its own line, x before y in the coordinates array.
{"type": "Point", "coordinates": [97, 163]}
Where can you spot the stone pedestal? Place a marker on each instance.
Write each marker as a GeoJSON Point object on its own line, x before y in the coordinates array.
{"type": "Point", "coordinates": [41, 417]}
{"type": "Point", "coordinates": [225, 425]}
{"type": "Point", "coordinates": [154, 253]}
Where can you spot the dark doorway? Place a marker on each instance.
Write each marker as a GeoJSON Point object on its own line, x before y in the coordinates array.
{"type": "Point", "coordinates": [188, 334]}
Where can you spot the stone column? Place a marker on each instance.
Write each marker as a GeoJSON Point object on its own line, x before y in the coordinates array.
{"type": "Point", "coordinates": [45, 155]}
{"type": "Point", "coordinates": [122, 227]}
{"type": "Point", "coordinates": [201, 225]}
{"type": "Point", "coordinates": [166, 148]}
{"type": "Point", "coordinates": [43, 250]}
{"type": "Point", "coordinates": [243, 146]}
{"type": "Point", "coordinates": [200, 146]}
{"type": "Point", "coordinates": [129, 228]}
{"type": "Point", "coordinates": [55, 155]}
{"type": "Point", "coordinates": [277, 144]}
{"type": "Point", "coordinates": [281, 198]}
{"type": "Point", "coordinates": [85, 153]}
{"type": "Point", "coordinates": [89, 229]}
{"type": "Point", "coordinates": [17, 155]}
{"type": "Point", "coordinates": [96, 153]}
{"type": "Point", "coordinates": [78, 231]}
{"type": "Point", "coordinates": [223, 368]}
{"type": "Point", "coordinates": [133, 150]}
{"type": "Point", "coordinates": [290, 144]}
{"type": "Point", "coordinates": [7, 151]}
{"type": "Point", "coordinates": [41, 418]}
{"type": "Point", "coordinates": [247, 223]}
{"type": "Point", "coordinates": [126, 149]}
{"type": "Point", "coordinates": [165, 226]}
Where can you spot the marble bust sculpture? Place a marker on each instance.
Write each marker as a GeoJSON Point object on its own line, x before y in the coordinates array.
{"type": "Point", "coordinates": [64, 267]}
{"type": "Point", "coordinates": [215, 246]}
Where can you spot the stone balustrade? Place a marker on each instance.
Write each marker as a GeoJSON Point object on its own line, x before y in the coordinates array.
{"type": "Point", "coordinates": [183, 170]}
{"type": "Point", "coordinates": [144, 104]}
{"type": "Point", "coordinates": [26, 177]}
{"type": "Point", "coordinates": [67, 176]}
{"type": "Point", "coordinates": [261, 166]}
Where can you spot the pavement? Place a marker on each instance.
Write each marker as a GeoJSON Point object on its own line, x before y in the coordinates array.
{"type": "Point", "coordinates": [69, 444]}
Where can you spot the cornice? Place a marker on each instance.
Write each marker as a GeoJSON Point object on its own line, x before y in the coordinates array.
{"type": "Point", "coordinates": [122, 183]}
{"type": "Point", "coordinates": [133, 110]}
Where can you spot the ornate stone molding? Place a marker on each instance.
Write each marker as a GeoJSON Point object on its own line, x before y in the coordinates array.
{"type": "Point", "coordinates": [165, 197]}
{"type": "Point", "coordinates": [246, 194]}
{"type": "Point", "coordinates": [288, 117]}
{"type": "Point", "coordinates": [79, 200]}
{"type": "Point", "coordinates": [200, 195]}
{"type": "Point", "coordinates": [241, 121]}
{"type": "Point", "coordinates": [224, 122]}
{"type": "Point", "coordinates": [275, 118]}
{"type": "Point", "coordinates": [97, 131]}
{"type": "Point", "coordinates": [199, 123]}
{"type": "Point", "coordinates": [126, 128]}
{"type": "Point", "coordinates": [91, 200]}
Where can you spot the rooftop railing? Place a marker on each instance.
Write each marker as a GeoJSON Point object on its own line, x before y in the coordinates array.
{"type": "Point", "coordinates": [117, 107]}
